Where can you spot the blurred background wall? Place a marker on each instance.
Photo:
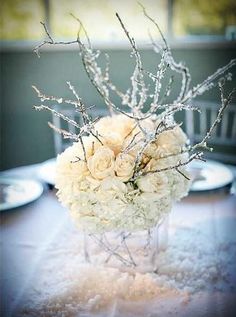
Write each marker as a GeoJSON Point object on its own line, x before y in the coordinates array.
{"type": "Point", "coordinates": [25, 135]}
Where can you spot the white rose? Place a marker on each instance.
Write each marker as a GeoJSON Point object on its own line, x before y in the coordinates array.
{"type": "Point", "coordinates": [70, 174]}
{"type": "Point", "coordinates": [68, 163]}
{"type": "Point", "coordinates": [132, 145]}
{"type": "Point", "coordinates": [124, 166]}
{"type": "Point", "coordinates": [160, 163]}
{"type": "Point", "coordinates": [154, 183]}
{"type": "Point", "coordinates": [120, 124]}
{"type": "Point", "coordinates": [124, 124]}
{"type": "Point", "coordinates": [113, 140]}
{"type": "Point", "coordinates": [111, 188]}
{"type": "Point", "coordinates": [113, 130]}
{"type": "Point", "coordinates": [90, 144]}
{"type": "Point", "coordinates": [146, 124]}
{"type": "Point", "coordinates": [172, 141]}
{"type": "Point", "coordinates": [179, 184]}
{"type": "Point", "coordinates": [101, 164]}
{"type": "Point", "coordinates": [152, 150]}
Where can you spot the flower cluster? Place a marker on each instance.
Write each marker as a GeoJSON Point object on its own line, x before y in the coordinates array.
{"type": "Point", "coordinates": [101, 191]}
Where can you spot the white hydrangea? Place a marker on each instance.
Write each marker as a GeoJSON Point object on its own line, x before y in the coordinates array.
{"type": "Point", "coordinates": [100, 192]}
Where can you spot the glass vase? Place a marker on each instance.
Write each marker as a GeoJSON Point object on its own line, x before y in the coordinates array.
{"type": "Point", "coordinates": [127, 251]}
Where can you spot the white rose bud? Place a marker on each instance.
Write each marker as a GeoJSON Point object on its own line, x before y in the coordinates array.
{"type": "Point", "coordinates": [124, 166]}
{"type": "Point", "coordinates": [101, 164]}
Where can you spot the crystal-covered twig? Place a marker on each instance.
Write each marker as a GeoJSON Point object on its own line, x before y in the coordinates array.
{"type": "Point", "coordinates": [123, 236]}
{"type": "Point", "coordinates": [50, 41]}
{"type": "Point", "coordinates": [224, 103]}
{"type": "Point", "coordinates": [195, 156]}
{"type": "Point", "coordinates": [209, 82]}
{"type": "Point", "coordinates": [98, 239]}
{"type": "Point", "coordinates": [177, 67]}
{"type": "Point", "coordinates": [137, 79]}
{"type": "Point", "coordinates": [66, 134]}
{"type": "Point", "coordinates": [87, 126]}
{"type": "Point", "coordinates": [58, 114]}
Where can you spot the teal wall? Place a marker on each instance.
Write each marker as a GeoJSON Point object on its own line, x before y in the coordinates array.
{"type": "Point", "coordinates": [25, 135]}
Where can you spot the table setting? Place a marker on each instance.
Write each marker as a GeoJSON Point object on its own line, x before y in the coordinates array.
{"type": "Point", "coordinates": [38, 239]}
{"type": "Point", "coordinates": [130, 219]}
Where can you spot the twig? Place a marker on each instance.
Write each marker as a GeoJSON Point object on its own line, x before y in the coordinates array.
{"type": "Point", "coordinates": [112, 252]}
{"type": "Point", "coordinates": [66, 134]}
{"type": "Point", "coordinates": [225, 102]}
{"type": "Point", "coordinates": [50, 41]}
{"type": "Point", "coordinates": [58, 114]}
{"type": "Point", "coordinates": [178, 67]}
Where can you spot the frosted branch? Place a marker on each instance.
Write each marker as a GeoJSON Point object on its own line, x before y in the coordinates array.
{"type": "Point", "coordinates": [209, 82]}
{"type": "Point", "coordinates": [137, 77]}
{"type": "Point", "coordinates": [50, 41]}
{"type": "Point", "coordinates": [66, 134]}
{"type": "Point", "coordinates": [224, 104]}
{"type": "Point", "coordinates": [195, 156]}
{"type": "Point", "coordinates": [60, 100]}
{"type": "Point", "coordinates": [111, 251]}
{"type": "Point", "coordinates": [58, 114]}
{"type": "Point", "coordinates": [177, 67]}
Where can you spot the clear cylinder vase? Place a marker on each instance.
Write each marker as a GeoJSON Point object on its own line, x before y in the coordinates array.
{"type": "Point", "coordinates": [127, 251]}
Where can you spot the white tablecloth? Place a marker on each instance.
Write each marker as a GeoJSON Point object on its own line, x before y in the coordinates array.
{"type": "Point", "coordinates": [33, 242]}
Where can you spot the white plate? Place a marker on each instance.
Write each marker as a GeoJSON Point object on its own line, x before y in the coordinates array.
{"type": "Point", "coordinates": [47, 171]}
{"type": "Point", "coordinates": [210, 175]}
{"type": "Point", "coordinates": [16, 192]}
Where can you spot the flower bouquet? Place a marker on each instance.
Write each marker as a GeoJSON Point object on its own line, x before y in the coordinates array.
{"type": "Point", "coordinates": [123, 172]}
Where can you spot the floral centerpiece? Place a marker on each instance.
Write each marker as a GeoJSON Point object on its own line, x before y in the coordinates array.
{"type": "Point", "coordinates": [102, 191]}
{"type": "Point", "coordinates": [124, 171]}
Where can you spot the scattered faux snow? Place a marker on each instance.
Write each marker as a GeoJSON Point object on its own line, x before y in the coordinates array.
{"type": "Point", "coordinates": [66, 286]}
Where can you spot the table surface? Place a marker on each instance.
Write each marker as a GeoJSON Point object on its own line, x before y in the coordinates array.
{"type": "Point", "coordinates": [29, 231]}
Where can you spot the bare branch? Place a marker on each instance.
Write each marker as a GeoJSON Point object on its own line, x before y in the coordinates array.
{"type": "Point", "coordinates": [83, 28]}
{"type": "Point", "coordinates": [224, 104]}
{"type": "Point", "coordinates": [137, 76]}
{"type": "Point", "coordinates": [66, 134]}
{"type": "Point", "coordinates": [50, 41]}
{"type": "Point", "coordinates": [182, 173]}
{"type": "Point", "coordinates": [195, 156]}
{"type": "Point", "coordinates": [58, 114]}
{"type": "Point", "coordinates": [178, 67]}
{"type": "Point", "coordinates": [167, 90]}
{"type": "Point", "coordinates": [208, 83]}
{"type": "Point", "coordinates": [60, 100]}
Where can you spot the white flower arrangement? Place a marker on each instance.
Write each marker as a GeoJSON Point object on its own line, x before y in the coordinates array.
{"type": "Point", "coordinates": [101, 193]}
{"type": "Point", "coordinates": [124, 171]}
